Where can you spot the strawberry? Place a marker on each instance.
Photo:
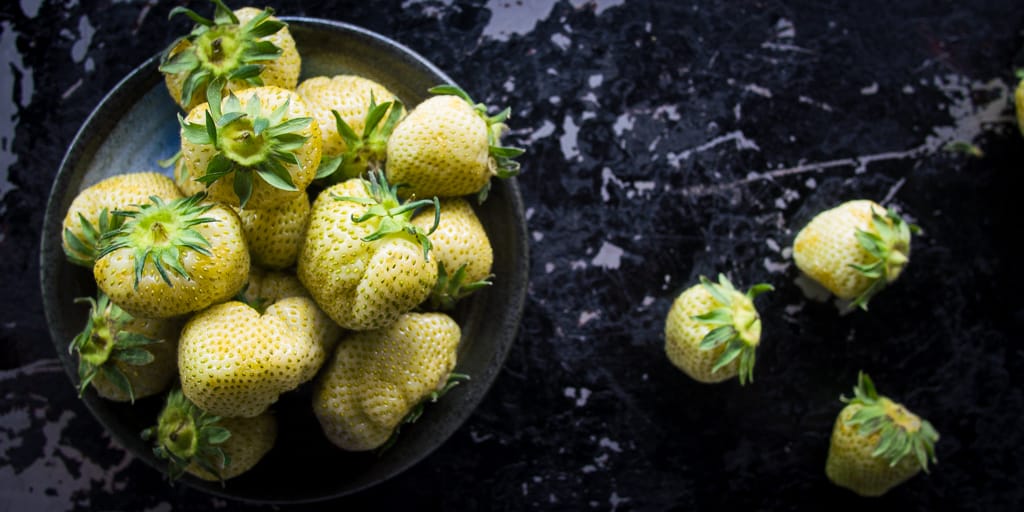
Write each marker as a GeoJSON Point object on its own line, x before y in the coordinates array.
{"type": "Point", "coordinates": [261, 353]}
{"type": "Point", "coordinates": [854, 250]}
{"type": "Point", "coordinates": [172, 258]}
{"type": "Point", "coordinates": [713, 330]}
{"type": "Point", "coordinates": [274, 234]}
{"type": "Point", "coordinates": [124, 357]}
{"type": "Point", "coordinates": [268, 287]}
{"type": "Point", "coordinates": [208, 446]}
{"type": "Point", "coordinates": [354, 126]}
{"type": "Point", "coordinates": [462, 250]}
{"type": "Point", "coordinates": [362, 260]}
{"type": "Point", "coordinates": [90, 215]}
{"type": "Point", "coordinates": [377, 380]}
{"type": "Point", "coordinates": [448, 146]}
{"type": "Point", "coordinates": [262, 138]}
{"type": "Point", "coordinates": [1018, 101]}
{"type": "Point", "coordinates": [876, 443]}
{"type": "Point", "coordinates": [183, 178]}
{"type": "Point", "coordinates": [233, 51]}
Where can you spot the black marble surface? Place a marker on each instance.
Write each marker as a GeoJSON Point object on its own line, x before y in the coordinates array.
{"type": "Point", "coordinates": [666, 140]}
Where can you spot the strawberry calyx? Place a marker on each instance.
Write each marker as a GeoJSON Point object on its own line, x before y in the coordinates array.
{"type": "Point", "coordinates": [221, 50]}
{"type": "Point", "coordinates": [736, 325]}
{"type": "Point", "coordinates": [888, 242]}
{"type": "Point", "coordinates": [451, 288]}
{"type": "Point", "coordinates": [103, 342]}
{"type": "Point", "coordinates": [502, 158]}
{"type": "Point", "coordinates": [84, 249]}
{"type": "Point", "coordinates": [453, 380]}
{"type": "Point", "coordinates": [185, 435]}
{"type": "Point", "coordinates": [158, 232]}
{"type": "Point", "coordinates": [248, 142]}
{"type": "Point", "coordinates": [900, 432]}
{"type": "Point", "coordinates": [391, 215]}
{"type": "Point", "coordinates": [366, 151]}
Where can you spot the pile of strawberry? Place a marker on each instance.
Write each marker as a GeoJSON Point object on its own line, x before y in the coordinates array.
{"type": "Point", "coordinates": [226, 287]}
{"type": "Point", "coordinates": [852, 251]}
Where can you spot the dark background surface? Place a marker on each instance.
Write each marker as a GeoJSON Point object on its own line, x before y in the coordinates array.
{"type": "Point", "coordinates": [666, 140]}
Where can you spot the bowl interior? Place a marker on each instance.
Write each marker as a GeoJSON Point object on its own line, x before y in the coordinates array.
{"type": "Point", "coordinates": [136, 125]}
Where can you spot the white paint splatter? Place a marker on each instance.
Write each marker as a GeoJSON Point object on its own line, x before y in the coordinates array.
{"type": "Point", "coordinates": [544, 131]}
{"type": "Point", "coordinates": [737, 136]}
{"type": "Point", "coordinates": [870, 89]}
{"type": "Point", "coordinates": [759, 90]}
{"type": "Point", "coordinates": [595, 80]}
{"type": "Point", "coordinates": [586, 317]}
{"type": "Point", "coordinates": [614, 446]}
{"type": "Point", "coordinates": [568, 140]}
{"type": "Point", "coordinates": [608, 256]}
{"type": "Point", "coordinates": [85, 33]}
{"type": "Point", "coordinates": [560, 40]}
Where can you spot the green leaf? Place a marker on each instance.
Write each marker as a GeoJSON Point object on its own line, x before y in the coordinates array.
{"type": "Point", "coordinates": [715, 291]}
{"type": "Point", "coordinates": [118, 379]}
{"type": "Point", "coordinates": [194, 16]}
{"type": "Point", "coordinates": [223, 15]}
{"type": "Point", "coordinates": [211, 127]}
{"type": "Point", "coordinates": [194, 133]}
{"type": "Point", "coordinates": [328, 166]}
{"type": "Point", "coordinates": [134, 356]}
{"type": "Point", "coordinates": [243, 187]}
{"type": "Point", "coordinates": [181, 62]}
{"type": "Point", "coordinates": [717, 316]}
{"type": "Point", "coordinates": [245, 72]}
{"type": "Point", "coordinates": [717, 336]}
{"type": "Point", "coordinates": [451, 89]}
{"type": "Point", "coordinates": [289, 126]}
{"type": "Point", "coordinates": [276, 176]}
{"type": "Point", "coordinates": [267, 28]}
{"type": "Point", "coordinates": [732, 351]}
{"type": "Point", "coordinates": [194, 80]}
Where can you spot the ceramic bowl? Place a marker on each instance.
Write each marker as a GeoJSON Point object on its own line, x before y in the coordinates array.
{"type": "Point", "coordinates": [135, 126]}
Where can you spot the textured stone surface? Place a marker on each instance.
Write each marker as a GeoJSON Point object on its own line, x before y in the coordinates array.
{"type": "Point", "coordinates": [666, 140]}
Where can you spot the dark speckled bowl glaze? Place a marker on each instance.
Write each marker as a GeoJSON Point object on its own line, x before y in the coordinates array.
{"type": "Point", "coordinates": [135, 126]}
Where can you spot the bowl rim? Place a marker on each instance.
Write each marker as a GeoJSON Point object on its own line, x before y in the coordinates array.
{"type": "Point", "coordinates": [123, 95]}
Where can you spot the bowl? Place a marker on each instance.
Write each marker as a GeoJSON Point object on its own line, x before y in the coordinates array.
{"type": "Point", "coordinates": [134, 126]}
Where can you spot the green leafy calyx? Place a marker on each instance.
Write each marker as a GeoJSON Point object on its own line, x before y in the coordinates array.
{"type": "Point", "coordinates": [454, 379]}
{"type": "Point", "coordinates": [104, 342]}
{"type": "Point", "coordinates": [366, 151]}
{"type": "Point", "coordinates": [85, 248]}
{"type": "Point", "coordinates": [221, 50]}
{"type": "Point", "coordinates": [736, 325]}
{"type": "Point", "coordinates": [502, 161]}
{"type": "Point", "coordinates": [248, 141]}
{"type": "Point", "coordinates": [900, 432]}
{"type": "Point", "coordinates": [451, 288]}
{"type": "Point", "coordinates": [185, 435]}
{"type": "Point", "coordinates": [392, 216]}
{"type": "Point", "coordinates": [157, 233]}
{"type": "Point", "coordinates": [888, 242]}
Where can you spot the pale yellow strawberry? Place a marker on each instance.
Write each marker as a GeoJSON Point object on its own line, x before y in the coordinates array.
{"type": "Point", "coordinates": [448, 146]}
{"type": "Point", "coordinates": [712, 331]}
{"type": "Point", "coordinates": [349, 96]}
{"type": "Point", "coordinates": [274, 234]}
{"type": "Point", "coordinates": [268, 287]}
{"type": "Point", "coordinates": [854, 250]}
{"type": "Point", "coordinates": [269, 154]}
{"type": "Point", "coordinates": [173, 258]}
{"type": "Point", "coordinates": [377, 378]}
{"type": "Point", "coordinates": [1018, 101]}
{"type": "Point", "coordinates": [459, 242]}
{"type": "Point", "coordinates": [877, 444]}
{"type": "Point", "coordinates": [208, 446]}
{"type": "Point", "coordinates": [199, 53]}
{"type": "Point", "coordinates": [97, 203]}
{"type": "Point", "coordinates": [262, 355]}
{"type": "Point", "coordinates": [361, 277]}
{"type": "Point", "coordinates": [125, 357]}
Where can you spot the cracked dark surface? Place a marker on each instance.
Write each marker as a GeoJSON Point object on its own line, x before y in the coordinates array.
{"type": "Point", "coordinates": [666, 140]}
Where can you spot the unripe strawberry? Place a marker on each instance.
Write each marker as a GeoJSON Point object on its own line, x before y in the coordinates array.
{"type": "Point", "coordinates": [266, 287]}
{"type": "Point", "coordinates": [350, 97]}
{"type": "Point", "coordinates": [712, 331]}
{"type": "Point", "coordinates": [262, 354]}
{"type": "Point", "coordinates": [124, 357]}
{"type": "Point", "coordinates": [1018, 101]}
{"type": "Point", "coordinates": [448, 146]}
{"type": "Point", "coordinates": [274, 234]}
{"type": "Point", "coordinates": [168, 259]}
{"type": "Point", "coordinates": [257, 149]}
{"type": "Point", "coordinates": [462, 249]}
{"type": "Point", "coordinates": [377, 380]}
{"type": "Point", "coordinates": [854, 250]}
{"type": "Point", "coordinates": [362, 260]}
{"type": "Point", "coordinates": [234, 51]}
{"type": "Point", "coordinates": [208, 446]}
{"type": "Point", "coordinates": [91, 213]}
{"type": "Point", "coordinates": [876, 443]}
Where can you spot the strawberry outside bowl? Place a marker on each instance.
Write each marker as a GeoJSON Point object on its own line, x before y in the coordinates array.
{"type": "Point", "coordinates": [135, 126]}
